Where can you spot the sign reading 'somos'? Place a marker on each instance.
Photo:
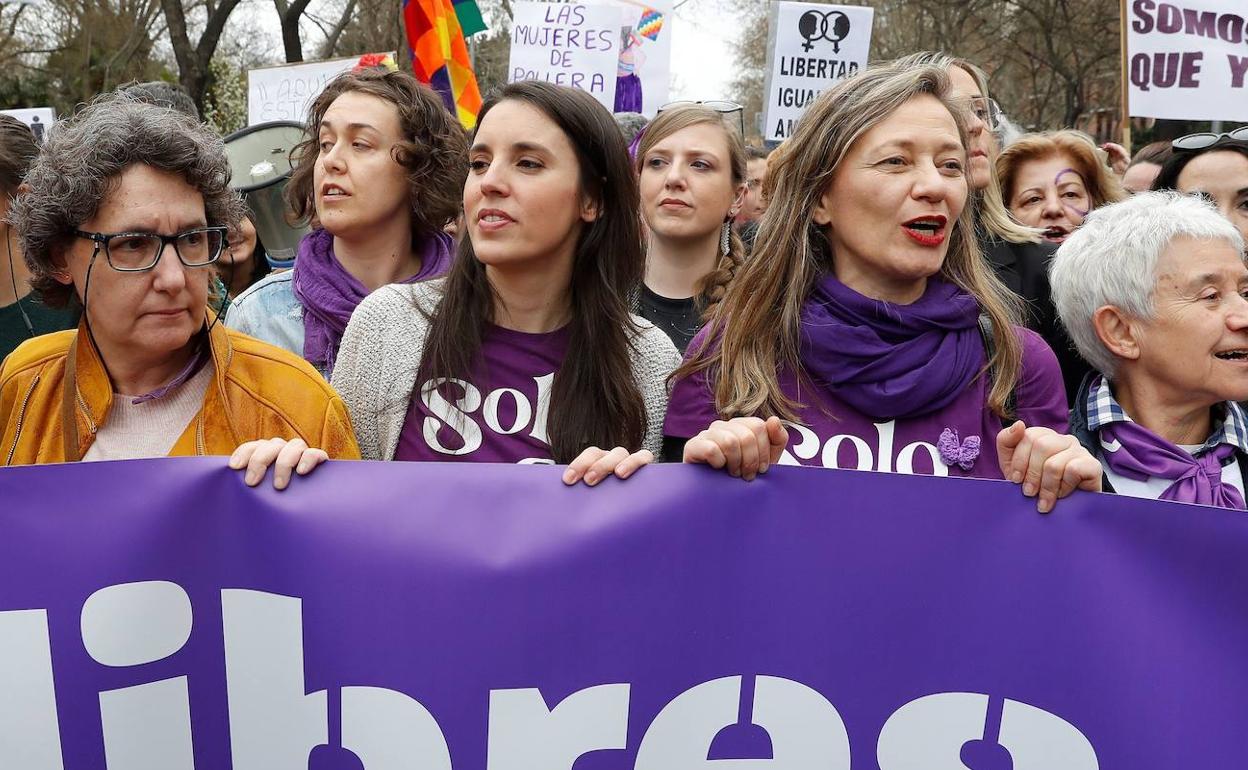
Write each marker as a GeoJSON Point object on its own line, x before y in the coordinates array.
{"type": "Point", "coordinates": [1188, 59]}
{"type": "Point", "coordinates": [811, 48]}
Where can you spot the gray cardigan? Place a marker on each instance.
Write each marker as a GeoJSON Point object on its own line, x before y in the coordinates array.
{"type": "Point", "coordinates": [375, 371]}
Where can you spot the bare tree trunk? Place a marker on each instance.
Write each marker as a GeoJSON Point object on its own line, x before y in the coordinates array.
{"type": "Point", "coordinates": [193, 60]}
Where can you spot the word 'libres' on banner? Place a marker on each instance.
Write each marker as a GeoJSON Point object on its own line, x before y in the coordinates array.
{"type": "Point", "coordinates": [810, 48]}
{"type": "Point", "coordinates": [160, 615]}
{"type": "Point", "coordinates": [1188, 59]}
{"type": "Point", "coordinates": [569, 45]}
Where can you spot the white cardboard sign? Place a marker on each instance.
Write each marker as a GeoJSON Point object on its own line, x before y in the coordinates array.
{"type": "Point", "coordinates": [569, 45]}
{"type": "Point", "coordinates": [811, 48]}
{"type": "Point", "coordinates": [38, 118]}
{"type": "Point", "coordinates": [287, 91]}
{"type": "Point", "coordinates": [1188, 59]}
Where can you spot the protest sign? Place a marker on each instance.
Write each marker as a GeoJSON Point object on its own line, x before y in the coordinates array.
{"type": "Point", "coordinates": [160, 614]}
{"type": "Point", "coordinates": [38, 118]}
{"type": "Point", "coordinates": [644, 67]}
{"type": "Point", "coordinates": [285, 92]}
{"type": "Point", "coordinates": [810, 48]}
{"type": "Point", "coordinates": [568, 45]}
{"type": "Point", "coordinates": [1188, 59]}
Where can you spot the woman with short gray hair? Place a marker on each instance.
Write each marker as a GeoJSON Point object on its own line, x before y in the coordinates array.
{"type": "Point", "coordinates": [148, 372]}
{"type": "Point", "coordinates": [1154, 293]}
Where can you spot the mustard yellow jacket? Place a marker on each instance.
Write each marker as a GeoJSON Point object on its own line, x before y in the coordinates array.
{"type": "Point", "coordinates": [55, 395]}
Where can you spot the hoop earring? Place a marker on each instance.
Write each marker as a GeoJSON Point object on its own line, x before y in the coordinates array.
{"type": "Point", "coordinates": [725, 238]}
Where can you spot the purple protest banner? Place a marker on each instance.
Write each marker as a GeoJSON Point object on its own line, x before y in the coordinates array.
{"type": "Point", "coordinates": [159, 614]}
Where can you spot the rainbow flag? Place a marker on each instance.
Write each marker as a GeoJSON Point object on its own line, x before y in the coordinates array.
{"type": "Point", "coordinates": [440, 56]}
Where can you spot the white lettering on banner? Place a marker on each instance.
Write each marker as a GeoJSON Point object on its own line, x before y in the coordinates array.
{"type": "Point", "coordinates": [275, 723]}
{"type": "Point", "coordinates": [805, 444]}
{"type": "Point", "coordinates": [457, 415]}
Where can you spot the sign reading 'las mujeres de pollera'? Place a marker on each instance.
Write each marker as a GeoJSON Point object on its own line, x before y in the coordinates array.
{"type": "Point", "coordinates": [811, 48]}
{"type": "Point", "coordinates": [1188, 59]}
{"type": "Point", "coordinates": [568, 45]}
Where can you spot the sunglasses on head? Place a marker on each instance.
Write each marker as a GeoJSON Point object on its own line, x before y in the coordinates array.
{"type": "Point", "coordinates": [1201, 141]}
{"type": "Point", "coordinates": [722, 107]}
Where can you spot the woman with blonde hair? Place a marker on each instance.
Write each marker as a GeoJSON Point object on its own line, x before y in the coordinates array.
{"type": "Point", "coordinates": [867, 318]}
{"type": "Point", "coordinates": [692, 171]}
{"type": "Point", "coordinates": [1051, 181]}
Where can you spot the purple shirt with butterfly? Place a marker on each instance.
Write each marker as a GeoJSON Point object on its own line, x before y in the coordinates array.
{"type": "Point", "coordinates": [958, 439]}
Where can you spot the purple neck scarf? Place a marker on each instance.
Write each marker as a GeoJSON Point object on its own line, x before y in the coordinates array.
{"type": "Point", "coordinates": [329, 294]}
{"type": "Point", "coordinates": [890, 361]}
{"type": "Point", "coordinates": [1142, 454]}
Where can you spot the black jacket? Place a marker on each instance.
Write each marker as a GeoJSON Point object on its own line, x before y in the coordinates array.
{"type": "Point", "coordinates": [1024, 269]}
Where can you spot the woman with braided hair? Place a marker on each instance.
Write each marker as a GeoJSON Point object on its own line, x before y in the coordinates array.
{"type": "Point", "coordinates": [692, 169]}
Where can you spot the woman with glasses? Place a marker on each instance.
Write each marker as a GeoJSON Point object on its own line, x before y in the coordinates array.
{"type": "Point", "coordinates": [1214, 166]}
{"type": "Point", "coordinates": [867, 318]}
{"type": "Point", "coordinates": [692, 172]}
{"type": "Point", "coordinates": [1018, 254]}
{"type": "Point", "coordinates": [126, 211]}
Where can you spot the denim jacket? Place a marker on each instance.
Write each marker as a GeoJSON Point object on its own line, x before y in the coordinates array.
{"type": "Point", "coordinates": [269, 311]}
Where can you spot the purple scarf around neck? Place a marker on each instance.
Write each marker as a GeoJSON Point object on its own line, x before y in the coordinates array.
{"type": "Point", "coordinates": [329, 294]}
{"type": "Point", "coordinates": [1142, 454]}
{"type": "Point", "coordinates": [891, 361]}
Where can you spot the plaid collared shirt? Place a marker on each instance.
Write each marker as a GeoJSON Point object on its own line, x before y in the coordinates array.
{"type": "Point", "coordinates": [1104, 409]}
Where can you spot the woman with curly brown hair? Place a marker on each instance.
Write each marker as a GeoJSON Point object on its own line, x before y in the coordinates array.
{"type": "Point", "coordinates": [692, 171]}
{"type": "Point", "coordinates": [379, 176]}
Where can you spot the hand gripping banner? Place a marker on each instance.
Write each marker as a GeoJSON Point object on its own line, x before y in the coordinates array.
{"type": "Point", "coordinates": [160, 615]}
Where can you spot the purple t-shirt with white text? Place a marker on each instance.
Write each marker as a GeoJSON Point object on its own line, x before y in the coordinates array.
{"type": "Point", "coordinates": [497, 414]}
{"type": "Point", "coordinates": [958, 440]}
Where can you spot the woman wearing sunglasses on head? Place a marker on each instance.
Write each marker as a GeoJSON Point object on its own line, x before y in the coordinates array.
{"type": "Point", "coordinates": [692, 168]}
{"type": "Point", "coordinates": [1214, 166]}
{"type": "Point", "coordinates": [127, 209]}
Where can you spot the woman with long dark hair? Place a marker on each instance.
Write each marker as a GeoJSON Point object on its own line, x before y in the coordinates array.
{"type": "Point", "coordinates": [526, 351]}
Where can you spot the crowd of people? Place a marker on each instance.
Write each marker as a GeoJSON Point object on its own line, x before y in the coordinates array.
{"type": "Point", "coordinates": [898, 287]}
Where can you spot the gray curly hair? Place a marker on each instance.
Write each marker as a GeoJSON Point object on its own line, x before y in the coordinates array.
{"type": "Point", "coordinates": [79, 166]}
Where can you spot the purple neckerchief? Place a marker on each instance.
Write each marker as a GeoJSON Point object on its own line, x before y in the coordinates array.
{"type": "Point", "coordinates": [1133, 451]}
{"type": "Point", "coordinates": [201, 356]}
{"type": "Point", "coordinates": [329, 294]}
{"type": "Point", "coordinates": [891, 361]}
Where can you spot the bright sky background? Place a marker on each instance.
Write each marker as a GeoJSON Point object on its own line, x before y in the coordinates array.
{"type": "Point", "coordinates": [703, 40]}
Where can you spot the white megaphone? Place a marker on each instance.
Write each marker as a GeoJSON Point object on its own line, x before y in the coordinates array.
{"type": "Point", "coordinates": [260, 167]}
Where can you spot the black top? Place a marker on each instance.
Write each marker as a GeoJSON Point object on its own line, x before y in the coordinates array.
{"type": "Point", "coordinates": [680, 319]}
{"type": "Point", "coordinates": [44, 319]}
{"type": "Point", "coordinates": [1024, 269]}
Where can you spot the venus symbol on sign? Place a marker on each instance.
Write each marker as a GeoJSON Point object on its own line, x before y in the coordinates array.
{"type": "Point", "coordinates": [832, 26]}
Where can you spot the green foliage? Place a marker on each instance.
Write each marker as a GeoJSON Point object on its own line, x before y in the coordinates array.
{"type": "Point", "coordinates": [225, 104]}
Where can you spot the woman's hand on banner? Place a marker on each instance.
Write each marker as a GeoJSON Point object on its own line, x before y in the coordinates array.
{"type": "Point", "coordinates": [1048, 464]}
{"type": "Point", "coordinates": [743, 446]}
{"type": "Point", "coordinates": [594, 464]}
{"type": "Point", "coordinates": [285, 457]}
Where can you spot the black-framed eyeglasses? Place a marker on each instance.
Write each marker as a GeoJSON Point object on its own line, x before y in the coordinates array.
{"type": "Point", "coordinates": [722, 107]}
{"type": "Point", "coordinates": [987, 110]}
{"type": "Point", "coordinates": [1207, 139]}
{"type": "Point", "coordinates": [138, 252]}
